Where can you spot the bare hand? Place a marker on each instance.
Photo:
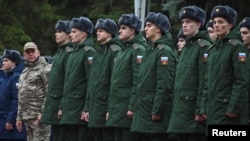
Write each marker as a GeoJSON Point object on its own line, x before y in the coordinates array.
{"type": "Point", "coordinates": [8, 126]}
{"type": "Point", "coordinates": [130, 114]}
{"type": "Point", "coordinates": [59, 114]}
{"type": "Point", "coordinates": [39, 116]}
{"type": "Point", "coordinates": [107, 115]}
{"type": "Point", "coordinates": [19, 125]}
{"type": "Point", "coordinates": [155, 117]}
{"type": "Point", "coordinates": [85, 116]}
{"type": "Point", "coordinates": [199, 118]}
{"type": "Point", "coordinates": [231, 115]}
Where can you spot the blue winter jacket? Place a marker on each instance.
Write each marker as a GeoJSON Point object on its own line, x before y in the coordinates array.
{"type": "Point", "coordinates": [9, 103]}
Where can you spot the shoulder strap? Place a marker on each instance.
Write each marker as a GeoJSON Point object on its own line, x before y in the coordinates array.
{"type": "Point", "coordinates": [87, 48]}
{"type": "Point", "coordinates": [114, 48]}
{"type": "Point", "coordinates": [202, 42]}
{"type": "Point", "coordinates": [135, 46]}
{"type": "Point", "coordinates": [233, 42]}
{"type": "Point", "coordinates": [160, 46]}
{"type": "Point", "coordinates": [69, 49]}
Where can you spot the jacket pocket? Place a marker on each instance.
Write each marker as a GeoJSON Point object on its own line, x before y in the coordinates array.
{"type": "Point", "coordinates": [188, 94]}
{"type": "Point", "coordinates": [77, 93]}
{"type": "Point", "coordinates": [56, 92]}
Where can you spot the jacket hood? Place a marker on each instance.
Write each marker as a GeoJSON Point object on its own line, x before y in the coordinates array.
{"type": "Point", "coordinates": [89, 41]}
{"type": "Point", "coordinates": [137, 39]}
{"type": "Point", "coordinates": [233, 34]}
{"type": "Point", "coordinates": [200, 35]}
{"type": "Point", "coordinates": [114, 41]}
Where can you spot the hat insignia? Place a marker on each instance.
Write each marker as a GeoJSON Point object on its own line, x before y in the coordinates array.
{"type": "Point", "coordinates": [184, 11]}
{"type": "Point", "coordinates": [217, 10]}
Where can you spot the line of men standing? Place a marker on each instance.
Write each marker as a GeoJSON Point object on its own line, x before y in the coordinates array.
{"type": "Point", "coordinates": [136, 88]}
{"type": "Point", "coordinates": [100, 86]}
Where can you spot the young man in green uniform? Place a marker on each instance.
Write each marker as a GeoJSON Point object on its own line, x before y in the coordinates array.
{"type": "Point", "coordinates": [245, 36]}
{"type": "Point", "coordinates": [210, 30]}
{"type": "Point", "coordinates": [124, 78]}
{"type": "Point", "coordinates": [186, 119]}
{"type": "Point", "coordinates": [76, 79]}
{"type": "Point", "coordinates": [57, 77]}
{"type": "Point", "coordinates": [100, 79]}
{"type": "Point", "coordinates": [228, 75]}
{"type": "Point", "coordinates": [155, 83]}
{"type": "Point", "coordinates": [181, 41]}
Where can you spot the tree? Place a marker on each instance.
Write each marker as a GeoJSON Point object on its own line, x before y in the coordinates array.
{"type": "Point", "coordinates": [22, 20]}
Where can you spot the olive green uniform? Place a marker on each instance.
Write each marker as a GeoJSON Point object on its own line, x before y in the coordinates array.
{"type": "Point", "coordinates": [155, 86]}
{"type": "Point", "coordinates": [75, 91]}
{"type": "Point", "coordinates": [189, 85]}
{"type": "Point", "coordinates": [55, 88]}
{"type": "Point", "coordinates": [123, 84]}
{"type": "Point", "coordinates": [99, 87]}
{"type": "Point", "coordinates": [227, 80]}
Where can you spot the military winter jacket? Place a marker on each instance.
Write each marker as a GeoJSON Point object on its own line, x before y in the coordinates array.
{"type": "Point", "coordinates": [55, 85]}
{"type": "Point", "coordinates": [189, 85]}
{"type": "Point", "coordinates": [248, 64]}
{"type": "Point", "coordinates": [155, 86]}
{"type": "Point", "coordinates": [76, 79]}
{"type": "Point", "coordinates": [123, 82]}
{"type": "Point", "coordinates": [227, 80]}
{"type": "Point", "coordinates": [32, 89]}
{"type": "Point", "coordinates": [99, 82]}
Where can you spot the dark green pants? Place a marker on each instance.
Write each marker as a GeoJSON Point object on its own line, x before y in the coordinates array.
{"type": "Point", "coordinates": [153, 137]}
{"type": "Point", "coordinates": [124, 134]}
{"type": "Point", "coordinates": [191, 137]}
{"type": "Point", "coordinates": [103, 134]}
{"type": "Point", "coordinates": [75, 133]}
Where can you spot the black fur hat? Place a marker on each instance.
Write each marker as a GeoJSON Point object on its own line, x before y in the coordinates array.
{"type": "Point", "coordinates": [194, 13]}
{"type": "Point", "coordinates": [13, 55]}
{"type": "Point", "coordinates": [63, 26]}
{"type": "Point", "coordinates": [225, 12]}
{"type": "Point", "coordinates": [108, 25]}
{"type": "Point", "coordinates": [160, 20]}
{"type": "Point", "coordinates": [209, 24]}
{"type": "Point", "coordinates": [130, 20]}
{"type": "Point", "coordinates": [245, 22]}
{"type": "Point", "coordinates": [82, 23]}
{"type": "Point", "coordinates": [181, 34]}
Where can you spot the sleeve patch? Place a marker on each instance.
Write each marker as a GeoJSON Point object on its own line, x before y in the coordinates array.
{"type": "Point", "coordinates": [164, 61]}
{"type": "Point", "coordinates": [205, 55]}
{"type": "Point", "coordinates": [242, 57]}
{"type": "Point", "coordinates": [90, 60]}
{"type": "Point", "coordinates": [139, 59]}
